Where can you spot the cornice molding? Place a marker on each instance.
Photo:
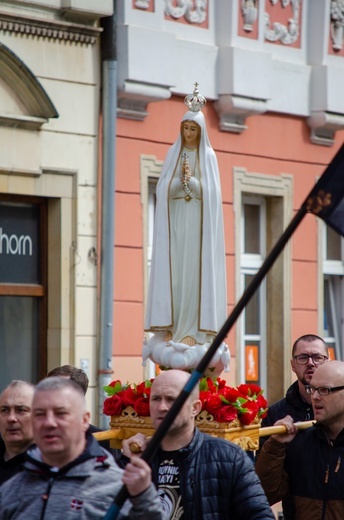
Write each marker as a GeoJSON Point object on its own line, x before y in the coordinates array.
{"type": "Point", "coordinates": [133, 98]}
{"type": "Point", "coordinates": [234, 110]}
{"type": "Point", "coordinates": [323, 127]}
{"type": "Point", "coordinates": [49, 29]}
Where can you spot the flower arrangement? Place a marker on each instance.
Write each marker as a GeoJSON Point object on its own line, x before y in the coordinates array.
{"type": "Point", "coordinates": [226, 404]}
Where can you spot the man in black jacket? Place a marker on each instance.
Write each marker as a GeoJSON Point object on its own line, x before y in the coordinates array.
{"type": "Point", "coordinates": [15, 427]}
{"type": "Point", "coordinates": [198, 476]}
{"type": "Point", "coordinates": [308, 353]}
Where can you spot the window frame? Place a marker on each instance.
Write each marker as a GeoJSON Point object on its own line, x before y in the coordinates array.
{"type": "Point", "coordinates": [332, 271]}
{"type": "Point", "coordinates": [35, 290]}
{"type": "Point", "coordinates": [249, 265]}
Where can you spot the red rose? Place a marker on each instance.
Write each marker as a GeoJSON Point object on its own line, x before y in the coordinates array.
{"type": "Point", "coordinates": [128, 396]}
{"type": "Point", "coordinates": [221, 382]}
{"type": "Point", "coordinates": [113, 405]}
{"type": "Point", "coordinates": [263, 413]}
{"type": "Point", "coordinates": [248, 412]}
{"type": "Point", "coordinates": [143, 389]}
{"type": "Point", "coordinates": [117, 382]}
{"type": "Point", "coordinates": [262, 406]}
{"type": "Point", "coordinates": [261, 401]}
{"type": "Point", "coordinates": [204, 396]}
{"type": "Point", "coordinates": [226, 414]}
{"type": "Point", "coordinates": [141, 406]}
{"type": "Point", "coordinates": [211, 385]}
{"type": "Point", "coordinates": [230, 394]}
{"type": "Point", "coordinates": [249, 390]}
{"type": "Point", "coordinates": [213, 403]}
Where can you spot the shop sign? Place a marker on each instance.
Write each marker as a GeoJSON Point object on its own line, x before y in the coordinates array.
{"type": "Point", "coordinates": [19, 243]}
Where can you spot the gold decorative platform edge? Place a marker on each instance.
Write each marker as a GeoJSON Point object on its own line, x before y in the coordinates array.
{"type": "Point", "coordinates": [129, 423]}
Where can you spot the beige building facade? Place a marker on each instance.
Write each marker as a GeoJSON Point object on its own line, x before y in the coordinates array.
{"type": "Point", "coordinates": [50, 78]}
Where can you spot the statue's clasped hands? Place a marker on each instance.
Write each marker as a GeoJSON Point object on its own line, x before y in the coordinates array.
{"type": "Point", "coordinates": [185, 174]}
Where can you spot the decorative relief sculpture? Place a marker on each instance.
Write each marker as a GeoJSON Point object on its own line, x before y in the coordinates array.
{"type": "Point", "coordinates": [337, 24]}
{"type": "Point", "coordinates": [194, 11]}
{"type": "Point", "coordinates": [142, 4]}
{"type": "Point", "coordinates": [279, 32]}
{"type": "Point", "coordinates": [249, 13]}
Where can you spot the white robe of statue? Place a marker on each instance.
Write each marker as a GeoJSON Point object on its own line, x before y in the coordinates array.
{"type": "Point", "coordinates": [187, 285]}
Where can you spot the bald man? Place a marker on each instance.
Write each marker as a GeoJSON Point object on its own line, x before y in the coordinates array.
{"type": "Point", "coordinates": [199, 476]}
{"type": "Point", "coordinates": [67, 474]}
{"type": "Point", "coordinates": [15, 427]}
{"type": "Point", "coordinates": [309, 464]}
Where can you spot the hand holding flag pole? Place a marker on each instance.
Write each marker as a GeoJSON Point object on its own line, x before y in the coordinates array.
{"type": "Point", "coordinates": [326, 200]}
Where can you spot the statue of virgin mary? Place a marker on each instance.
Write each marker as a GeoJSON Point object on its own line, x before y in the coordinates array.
{"type": "Point", "coordinates": [186, 304]}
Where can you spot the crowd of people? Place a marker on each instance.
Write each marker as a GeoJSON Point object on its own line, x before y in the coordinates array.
{"type": "Point", "coordinates": [51, 466]}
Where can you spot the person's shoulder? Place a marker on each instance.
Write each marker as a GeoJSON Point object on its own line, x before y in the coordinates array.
{"type": "Point", "coordinates": [12, 484]}
{"type": "Point", "coordinates": [276, 411]}
{"type": "Point", "coordinates": [93, 429]}
{"type": "Point", "coordinates": [105, 444]}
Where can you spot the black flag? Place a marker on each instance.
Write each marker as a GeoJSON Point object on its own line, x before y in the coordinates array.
{"type": "Point", "coordinates": [326, 200]}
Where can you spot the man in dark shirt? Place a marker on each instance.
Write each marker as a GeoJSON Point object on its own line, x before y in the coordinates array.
{"type": "Point", "coordinates": [308, 352]}
{"type": "Point", "coordinates": [15, 427]}
{"type": "Point", "coordinates": [198, 476]}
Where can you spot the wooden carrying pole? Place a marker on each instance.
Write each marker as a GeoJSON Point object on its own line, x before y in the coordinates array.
{"type": "Point", "coordinates": [263, 432]}
{"type": "Point", "coordinates": [280, 428]}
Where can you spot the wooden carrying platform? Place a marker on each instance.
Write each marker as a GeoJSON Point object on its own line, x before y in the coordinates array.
{"type": "Point", "coordinates": [129, 423]}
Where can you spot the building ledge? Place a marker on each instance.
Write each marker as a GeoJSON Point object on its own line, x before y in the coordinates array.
{"type": "Point", "coordinates": [323, 127]}
{"type": "Point", "coordinates": [134, 97]}
{"type": "Point", "coordinates": [234, 110]}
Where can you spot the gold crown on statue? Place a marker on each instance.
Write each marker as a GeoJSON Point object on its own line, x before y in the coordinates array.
{"type": "Point", "coordinates": [195, 101]}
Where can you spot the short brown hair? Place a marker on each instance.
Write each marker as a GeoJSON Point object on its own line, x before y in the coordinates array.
{"type": "Point", "coordinates": [75, 374]}
{"type": "Point", "coordinates": [309, 338]}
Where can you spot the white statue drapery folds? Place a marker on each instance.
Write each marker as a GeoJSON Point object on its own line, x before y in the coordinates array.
{"type": "Point", "coordinates": [186, 303]}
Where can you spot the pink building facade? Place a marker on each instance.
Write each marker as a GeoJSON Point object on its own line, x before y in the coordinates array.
{"type": "Point", "coordinates": [273, 75]}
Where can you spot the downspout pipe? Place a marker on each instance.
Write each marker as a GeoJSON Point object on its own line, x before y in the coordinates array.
{"type": "Point", "coordinates": [109, 112]}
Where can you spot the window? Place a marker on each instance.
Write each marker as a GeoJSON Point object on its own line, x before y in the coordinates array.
{"type": "Point", "coordinates": [333, 291]}
{"type": "Point", "coordinates": [150, 171]}
{"type": "Point", "coordinates": [22, 288]}
{"type": "Point", "coordinates": [262, 207]}
{"type": "Point", "coordinates": [152, 182]}
{"type": "Point", "coordinates": [253, 322]}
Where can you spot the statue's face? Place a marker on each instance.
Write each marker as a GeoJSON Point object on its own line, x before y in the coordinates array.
{"type": "Point", "coordinates": [190, 133]}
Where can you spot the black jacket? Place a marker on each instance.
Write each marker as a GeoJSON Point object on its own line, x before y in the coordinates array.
{"type": "Point", "coordinates": [217, 481]}
{"type": "Point", "coordinates": [10, 467]}
{"type": "Point", "coordinates": [105, 444]}
{"type": "Point", "coordinates": [292, 404]}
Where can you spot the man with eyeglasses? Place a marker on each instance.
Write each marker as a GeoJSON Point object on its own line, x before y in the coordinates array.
{"type": "Point", "coordinates": [309, 464]}
{"type": "Point", "coordinates": [308, 353]}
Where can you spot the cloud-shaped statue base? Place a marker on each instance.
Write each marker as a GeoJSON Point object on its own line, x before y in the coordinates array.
{"type": "Point", "coordinates": [169, 354]}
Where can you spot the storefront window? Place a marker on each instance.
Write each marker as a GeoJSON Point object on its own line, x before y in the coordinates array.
{"type": "Point", "coordinates": [22, 289]}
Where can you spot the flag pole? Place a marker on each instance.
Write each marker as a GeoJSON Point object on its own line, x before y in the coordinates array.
{"type": "Point", "coordinates": [197, 374]}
